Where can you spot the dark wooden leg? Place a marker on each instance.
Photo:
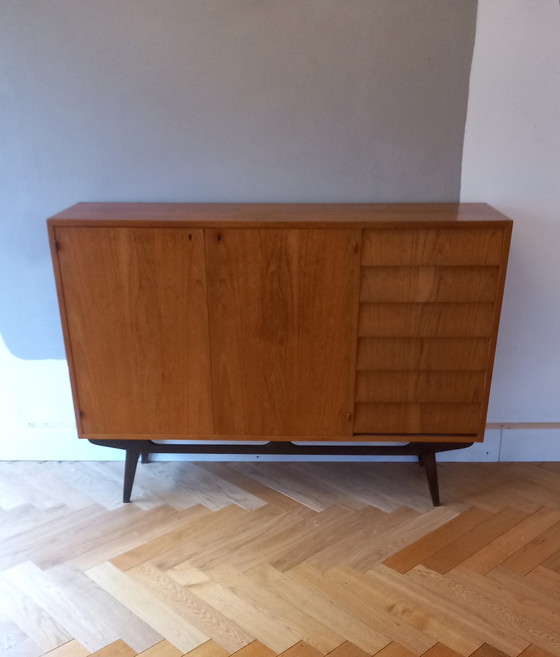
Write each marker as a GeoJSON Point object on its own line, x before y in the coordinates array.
{"type": "Point", "coordinates": [145, 457]}
{"type": "Point", "coordinates": [129, 472]}
{"type": "Point", "coordinates": [429, 462]}
{"type": "Point", "coordinates": [426, 453]}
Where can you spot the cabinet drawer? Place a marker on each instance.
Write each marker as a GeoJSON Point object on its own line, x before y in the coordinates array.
{"type": "Point", "coordinates": [420, 386]}
{"type": "Point", "coordinates": [426, 319]}
{"type": "Point", "coordinates": [421, 284]}
{"type": "Point", "coordinates": [432, 246]}
{"type": "Point", "coordinates": [423, 353]}
{"type": "Point", "coordinates": [417, 418]}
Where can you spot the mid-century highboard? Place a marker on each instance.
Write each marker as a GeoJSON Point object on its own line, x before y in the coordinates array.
{"type": "Point", "coordinates": [280, 323]}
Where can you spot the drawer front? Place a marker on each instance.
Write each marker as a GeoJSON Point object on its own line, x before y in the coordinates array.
{"type": "Point", "coordinates": [422, 419]}
{"type": "Point", "coordinates": [428, 284]}
{"type": "Point", "coordinates": [425, 354]}
{"type": "Point", "coordinates": [455, 246]}
{"type": "Point", "coordinates": [413, 387]}
{"type": "Point", "coordinates": [426, 320]}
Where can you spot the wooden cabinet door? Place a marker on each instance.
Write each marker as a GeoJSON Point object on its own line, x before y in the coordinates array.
{"type": "Point", "coordinates": [282, 308]}
{"type": "Point", "coordinates": [137, 330]}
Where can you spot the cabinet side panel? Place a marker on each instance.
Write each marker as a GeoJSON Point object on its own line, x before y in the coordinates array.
{"type": "Point", "coordinates": [136, 318]}
{"type": "Point", "coordinates": [281, 310]}
{"type": "Point", "coordinates": [505, 247]}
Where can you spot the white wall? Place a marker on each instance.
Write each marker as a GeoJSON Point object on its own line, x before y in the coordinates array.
{"type": "Point", "coordinates": [36, 414]}
{"type": "Point", "coordinates": [511, 159]}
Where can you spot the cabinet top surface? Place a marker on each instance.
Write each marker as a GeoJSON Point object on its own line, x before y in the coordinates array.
{"type": "Point", "coordinates": [275, 214]}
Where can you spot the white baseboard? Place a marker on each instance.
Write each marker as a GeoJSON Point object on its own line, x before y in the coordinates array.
{"type": "Point", "coordinates": [62, 444]}
{"type": "Point", "coordinates": [530, 445]}
{"type": "Point", "coordinates": [52, 444]}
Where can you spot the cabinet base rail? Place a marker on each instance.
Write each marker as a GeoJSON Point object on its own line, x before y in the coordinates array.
{"type": "Point", "coordinates": [426, 453]}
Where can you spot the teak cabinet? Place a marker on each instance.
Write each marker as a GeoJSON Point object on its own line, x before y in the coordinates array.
{"type": "Point", "coordinates": [280, 322]}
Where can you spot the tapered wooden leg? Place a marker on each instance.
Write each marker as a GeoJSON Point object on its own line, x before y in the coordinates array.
{"type": "Point", "coordinates": [129, 471]}
{"type": "Point", "coordinates": [430, 466]}
{"type": "Point", "coordinates": [426, 453]}
{"type": "Point", "coordinates": [145, 457]}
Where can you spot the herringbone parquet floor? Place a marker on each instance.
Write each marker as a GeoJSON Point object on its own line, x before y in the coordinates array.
{"type": "Point", "coordinates": [262, 559]}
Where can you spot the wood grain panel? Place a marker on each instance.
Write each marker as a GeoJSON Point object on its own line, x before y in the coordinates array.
{"type": "Point", "coordinates": [398, 284]}
{"type": "Point", "coordinates": [137, 325]}
{"type": "Point", "coordinates": [423, 353]}
{"type": "Point", "coordinates": [463, 547]}
{"type": "Point", "coordinates": [281, 305]}
{"type": "Point", "coordinates": [420, 386]}
{"type": "Point", "coordinates": [417, 418]}
{"type": "Point", "coordinates": [319, 582]}
{"type": "Point", "coordinates": [433, 542]}
{"type": "Point", "coordinates": [413, 320]}
{"type": "Point", "coordinates": [433, 246]}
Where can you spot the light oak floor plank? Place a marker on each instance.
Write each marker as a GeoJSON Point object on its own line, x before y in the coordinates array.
{"type": "Point", "coordinates": [24, 649]}
{"type": "Point", "coordinates": [162, 649]}
{"type": "Point", "coordinates": [10, 633]}
{"type": "Point", "coordinates": [209, 649]}
{"type": "Point", "coordinates": [265, 493]}
{"type": "Point", "coordinates": [353, 594]}
{"type": "Point", "coordinates": [33, 621]}
{"type": "Point", "coordinates": [255, 649]}
{"type": "Point", "coordinates": [116, 649]}
{"type": "Point", "coordinates": [418, 551]}
{"type": "Point", "coordinates": [301, 649]}
{"type": "Point", "coordinates": [512, 540]}
{"type": "Point", "coordinates": [71, 649]}
{"type": "Point", "coordinates": [183, 600]}
{"type": "Point", "coordinates": [457, 551]}
{"type": "Point", "coordinates": [140, 601]}
{"type": "Point", "coordinates": [191, 520]}
{"type": "Point", "coordinates": [294, 590]}
{"type": "Point", "coordinates": [266, 559]}
{"type": "Point", "coordinates": [546, 581]}
{"type": "Point", "coordinates": [535, 552]}
{"type": "Point", "coordinates": [348, 649]}
{"type": "Point", "coordinates": [313, 632]}
{"type": "Point", "coordinates": [94, 633]}
{"type": "Point", "coordinates": [505, 619]}
{"type": "Point", "coordinates": [446, 621]}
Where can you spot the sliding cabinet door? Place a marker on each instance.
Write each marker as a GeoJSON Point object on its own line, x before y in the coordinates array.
{"type": "Point", "coordinates": [282, 306]}
{"type": "Point", "coordinates": [136, 325]}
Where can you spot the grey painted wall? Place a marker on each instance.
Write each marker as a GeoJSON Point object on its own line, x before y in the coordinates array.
{"type": "Point", "coordinates": [216, 100]}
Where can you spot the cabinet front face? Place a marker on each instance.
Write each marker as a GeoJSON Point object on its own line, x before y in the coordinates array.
{"type": "Point", "coordinates": [137, 329]}
{"type": "Point", "coordinates": [429, 306]}
{"type": "Point", "coordinates": [279, 333]}
{"type": "Point", "coordinates": [282, 316]}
